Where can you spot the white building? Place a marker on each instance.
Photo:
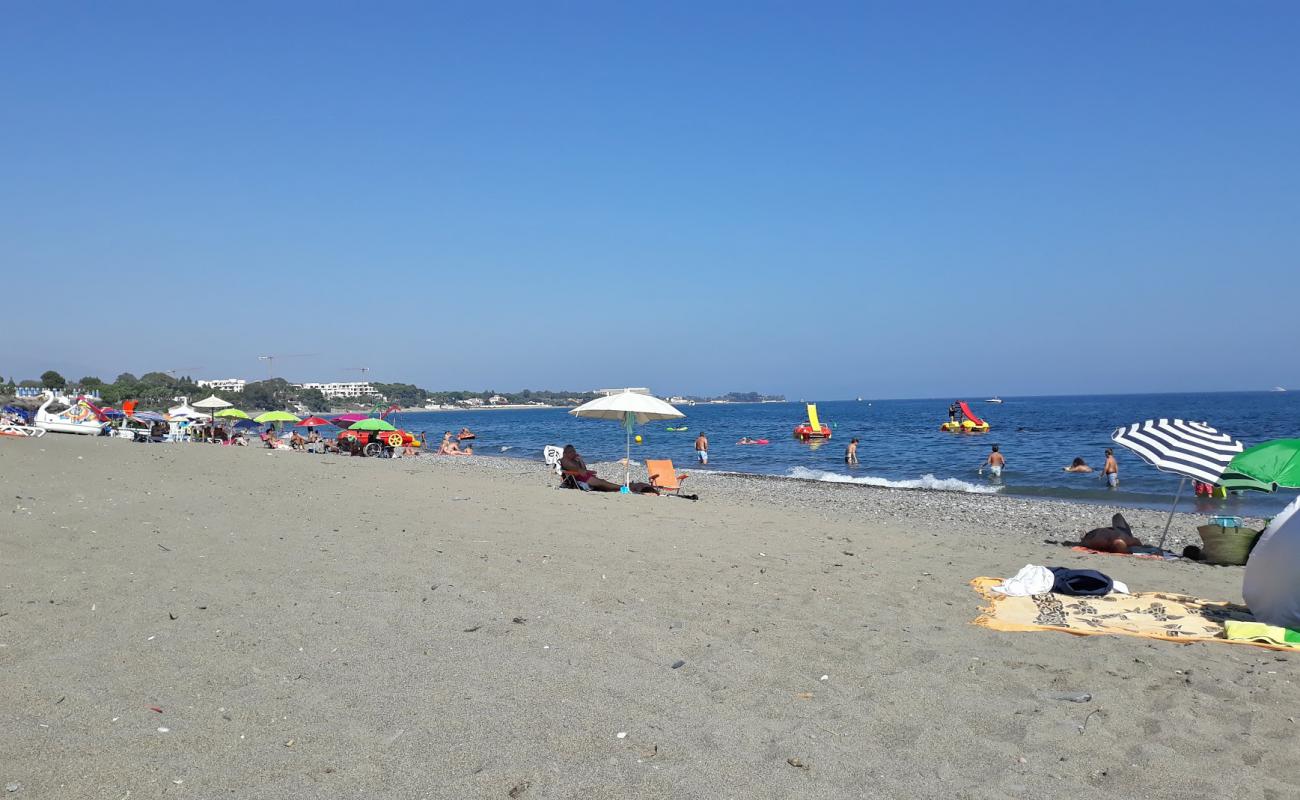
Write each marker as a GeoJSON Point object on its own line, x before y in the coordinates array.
{"type": "Point", "coordinates": [498, 400]}
{"type": "Point", "coordinates": [334, 390]}
{"type": "Point", "coordinates": [608, 392]}
{"type": "Point", "coordinates": [225, 384]}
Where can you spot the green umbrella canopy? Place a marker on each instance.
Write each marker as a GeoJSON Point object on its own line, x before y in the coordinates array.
{"type": "Point", "coordinates": [1265, 467]}
{"type": "Point", "coordinates": [231, 412]}
{"type": "Point", "coordinates": [275, 416]}
{"type": "Point", "coordinates": [371, 424]}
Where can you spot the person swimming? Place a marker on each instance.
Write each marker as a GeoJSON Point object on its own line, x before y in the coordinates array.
{"type": "Point", "coordinates": [1078, 465]}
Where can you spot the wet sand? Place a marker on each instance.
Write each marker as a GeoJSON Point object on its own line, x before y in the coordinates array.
{"type": "Point", "coordinates": [450, 628]}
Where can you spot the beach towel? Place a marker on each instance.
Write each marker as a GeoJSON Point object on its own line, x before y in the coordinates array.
{"type": "Point", "coordinates": [1153, 615]}
{"type": "Point", "coordinates": [1159, 555]}
{"type": "Point", "coordinates": [1260, 632]}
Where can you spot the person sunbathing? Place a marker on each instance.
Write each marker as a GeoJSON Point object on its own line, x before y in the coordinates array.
{"type": "Point", "coordinates": [296, 441]}
{"type": "Point", "coordinates": [575, 470]}
{"type": "Point", "coordinates": [1078, 465]}
{"type": "Point", "coordinates": [1118, 538]}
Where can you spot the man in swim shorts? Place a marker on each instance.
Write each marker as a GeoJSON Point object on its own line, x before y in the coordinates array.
{"type": "Point", "coordinates": [996, 462]}
{"type": "Point", "coordinates": [851, 454]}
{"type": "Point", "coordinates": [702, 448]}
{"type": "Point", "coordinates": [1111, 470]}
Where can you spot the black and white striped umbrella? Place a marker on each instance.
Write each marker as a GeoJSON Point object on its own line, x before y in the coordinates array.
{"type": "Point", "coordinates": [1190, 449]}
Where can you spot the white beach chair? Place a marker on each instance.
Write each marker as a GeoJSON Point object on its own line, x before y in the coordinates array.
{"type": "Point", "coordinates": [552, 454]}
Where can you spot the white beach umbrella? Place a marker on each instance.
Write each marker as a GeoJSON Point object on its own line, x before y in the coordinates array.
{"type": "Point", "coordinates": [212, 402]}
{"type": "Point", "coordinates": [630, 408]}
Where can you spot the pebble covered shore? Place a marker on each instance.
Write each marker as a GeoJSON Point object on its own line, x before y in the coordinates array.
{"type": "Point", "coordinates": [977, 514]}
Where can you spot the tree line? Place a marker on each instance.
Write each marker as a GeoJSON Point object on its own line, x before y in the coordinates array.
{"type": "Point", "coordinates": [158, 390]}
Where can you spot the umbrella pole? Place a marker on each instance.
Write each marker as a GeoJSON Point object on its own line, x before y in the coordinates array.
{"type": "Point", "coordinates": [627, 460]}
{"type": "Point", "coordinates": [1173, 508]}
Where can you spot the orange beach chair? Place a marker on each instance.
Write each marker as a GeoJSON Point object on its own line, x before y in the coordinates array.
{"type": "Point", "coordinates": [664, 478]}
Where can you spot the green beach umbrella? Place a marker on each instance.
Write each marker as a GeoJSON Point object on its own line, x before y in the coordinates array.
{"type": "Point", "coordinates": [233, 413]}
{"type": "Point", "coordinates": [1265, 467]}
{"type": "Point", "coordinates": [372, 424]}
{"type": "Point", "coordinates": [275, 416]}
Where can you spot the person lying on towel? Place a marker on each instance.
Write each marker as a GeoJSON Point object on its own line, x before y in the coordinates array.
{"type": "Point", "coordinates": [1118, 538]}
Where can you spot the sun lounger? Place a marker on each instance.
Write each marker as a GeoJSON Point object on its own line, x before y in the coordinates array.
{"type": "Point", "coordinates": [664, 478]}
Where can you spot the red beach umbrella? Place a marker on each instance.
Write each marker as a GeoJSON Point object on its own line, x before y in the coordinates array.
{"type": "Point", "coordinates": [312, 422]}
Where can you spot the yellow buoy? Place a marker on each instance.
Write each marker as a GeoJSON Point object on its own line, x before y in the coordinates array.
{"type": "Point", "coordinates": [638, 438]}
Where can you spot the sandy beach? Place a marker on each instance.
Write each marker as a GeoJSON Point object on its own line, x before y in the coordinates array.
{"type": "Point", "coordinates": [201, 621]}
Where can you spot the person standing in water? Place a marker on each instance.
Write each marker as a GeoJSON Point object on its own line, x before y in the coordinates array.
{"type": "Point", "coordinates": [851, 454]}
{"type": "Point", "coordinates": [995, 462]}
{"type": "Point", "coordinates": [1111, 470]}
{"type": "Point", "coordinates": [702, 448]}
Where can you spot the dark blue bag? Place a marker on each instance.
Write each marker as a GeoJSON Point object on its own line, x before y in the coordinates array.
{"type": "Point", "coordinates": [1081, 582]}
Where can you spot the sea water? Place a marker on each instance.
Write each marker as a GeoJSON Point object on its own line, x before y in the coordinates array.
{"type": "Point", "coordinates": [901, 445]}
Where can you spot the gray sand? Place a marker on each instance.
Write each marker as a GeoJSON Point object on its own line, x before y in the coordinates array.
{"type": "Point", "coordinates": [458, 628]}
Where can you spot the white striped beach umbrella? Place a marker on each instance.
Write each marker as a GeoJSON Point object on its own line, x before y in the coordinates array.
{"type": "Point", "coordinates": [1188, 449]}
{"type": "Point", "coordinates": [1191, 449]}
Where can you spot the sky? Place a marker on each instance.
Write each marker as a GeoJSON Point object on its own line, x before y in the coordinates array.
{"type": "Point", "coordinates": [823, 200]}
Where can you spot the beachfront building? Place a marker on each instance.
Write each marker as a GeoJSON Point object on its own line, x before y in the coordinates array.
{"type": "Point", "coordinates": [352, 389]}
{"type": "Point", "coordinates": [224, 384]}
{"type": "Point", "coordinates": [497, 400]}
{"type": "Point", "coordinates": [608, 392]}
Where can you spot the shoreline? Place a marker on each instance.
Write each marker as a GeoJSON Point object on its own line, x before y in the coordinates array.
{"type": "Point", "coordinates": [1031, 518]}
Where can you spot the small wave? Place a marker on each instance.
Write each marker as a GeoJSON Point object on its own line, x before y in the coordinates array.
{"type": "Point", "coordinates": [924, 482]}
{"type": "Point", "coordinates": [507, 447]}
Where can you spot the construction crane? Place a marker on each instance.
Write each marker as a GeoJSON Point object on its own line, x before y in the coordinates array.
{"type": "Point", "coordinates": [270, 361]}
{"type": "Point", "coordinates": [362, 370]}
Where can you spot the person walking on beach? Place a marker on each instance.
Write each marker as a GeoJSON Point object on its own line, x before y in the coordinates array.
{"type": "Point", "coordinates": [1111, 471]}
{"type": "Point", "coordinates": [702, 448]}
{"type": "Point", "coordinates": [996, 462]}
{"type": "Point", "coordinates": [851, 454]}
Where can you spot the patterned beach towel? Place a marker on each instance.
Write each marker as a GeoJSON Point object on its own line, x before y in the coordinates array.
{"type": "Point", "coordinates": [1153, 615]}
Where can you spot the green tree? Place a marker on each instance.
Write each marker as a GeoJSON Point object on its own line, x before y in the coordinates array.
{"type": "Point", "coordinates": [52, 380]}
{"type": "Point", "coordinates": [126, 377]}
{"type": "Point", "coordinates": [314, 400]}
{"type": "Point", "coordinates": [90, 381]}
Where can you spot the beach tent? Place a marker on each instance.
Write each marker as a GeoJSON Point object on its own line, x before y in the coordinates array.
{"type": "Point", "coordinates": [1187, 449]}
{"type": "Point", "coordinates": [1270, 586]}
{"type": "Point", "coordinates": [630, 408]}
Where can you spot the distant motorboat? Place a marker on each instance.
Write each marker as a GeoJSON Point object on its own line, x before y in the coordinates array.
{"type": "Point", "coordinates": [1278, 389]}
{"type": "Point", "coordinates": [859, 399]}
{"type": "Point", "coordinates": [994, 400]}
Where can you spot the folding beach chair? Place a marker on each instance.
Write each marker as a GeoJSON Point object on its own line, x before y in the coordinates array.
{"type": "Point", "coordinates": [666, 479]}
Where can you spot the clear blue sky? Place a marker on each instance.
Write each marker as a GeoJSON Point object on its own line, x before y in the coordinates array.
{"type": "Point", "coordinates": [820, 199]}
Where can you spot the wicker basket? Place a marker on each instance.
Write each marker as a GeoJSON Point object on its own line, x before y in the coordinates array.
{"type": "Point", "coordinates": [1228, 546]}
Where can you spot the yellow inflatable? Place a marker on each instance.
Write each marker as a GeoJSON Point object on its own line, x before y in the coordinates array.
{"type": "Point", "coordinates": [965, 426]}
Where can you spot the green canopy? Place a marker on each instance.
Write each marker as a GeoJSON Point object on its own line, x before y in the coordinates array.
{"type": "Point", "coordinates": [231, 412]}
{"type": "Point", "coordinates": [1265, 467]}
{"type": "Point", "coordinates": [371, 424]}
{"type": "Point", "coordinates": [275, 416]}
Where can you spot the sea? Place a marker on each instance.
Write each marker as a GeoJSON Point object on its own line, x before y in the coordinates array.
{"type": "Point", "coordinates": [902, 447]}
